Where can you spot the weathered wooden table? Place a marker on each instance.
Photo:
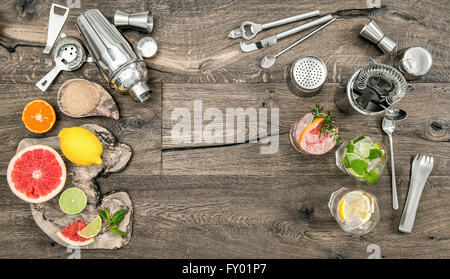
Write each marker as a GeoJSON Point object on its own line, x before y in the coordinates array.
{"type": "Point", "coordinates": [228, 200]}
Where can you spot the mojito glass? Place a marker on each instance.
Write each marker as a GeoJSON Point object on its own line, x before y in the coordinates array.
{"type": "Point", "coordinates": [362, 158]}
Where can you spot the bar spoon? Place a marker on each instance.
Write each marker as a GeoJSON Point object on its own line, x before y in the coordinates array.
{"type": "Point", "coordinates": [390, 116]}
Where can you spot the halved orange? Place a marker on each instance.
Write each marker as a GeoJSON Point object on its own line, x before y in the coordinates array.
{"type": "Point", "coordinates": [38, 116]}
{"type": "Point", "coordinates": [309, 127]}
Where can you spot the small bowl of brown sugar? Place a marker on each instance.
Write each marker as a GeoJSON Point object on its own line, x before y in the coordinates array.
{"type": "Point", "coordinates": [82, 98]}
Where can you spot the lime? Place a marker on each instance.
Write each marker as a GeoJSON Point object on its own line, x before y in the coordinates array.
{"type": "Point", "coordinates": [351, 157]}
{"type": "Point", "coordinates": [364, 149]}
{"type": "Point", "coordinates": [72, 201]}
{"type": "Point", "coordinates": [92, 229]}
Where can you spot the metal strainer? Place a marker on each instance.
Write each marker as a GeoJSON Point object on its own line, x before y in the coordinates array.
{"type": "Point", "coordinates": [69, 55]}
{"type": "Point", "coordinates": [385, 80]}
{"type": "Point", "coordinates": [306, 76]}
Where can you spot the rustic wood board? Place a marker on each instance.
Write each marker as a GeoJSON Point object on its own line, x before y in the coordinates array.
{"type": "Point", "coordinates": [49, 217]}
{"type": "Point", "coordinates": [218, 201]}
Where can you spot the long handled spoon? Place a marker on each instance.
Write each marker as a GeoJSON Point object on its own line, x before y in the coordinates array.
{"type": "Point", "coordinates": [388, 125]}
{"type": "Point", "coordinates": [270, 59]}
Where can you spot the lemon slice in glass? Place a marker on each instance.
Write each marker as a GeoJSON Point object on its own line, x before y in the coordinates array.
{"type": "Point", "coordinates": [353, 204]}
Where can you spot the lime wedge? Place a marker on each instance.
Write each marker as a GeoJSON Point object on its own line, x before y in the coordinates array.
{"type": "Point", "coordinates": [92, 229]}
{"type": "Point", "coordinates": [72, 201]}
{"type": "Point", "coordinates": [351, 157]}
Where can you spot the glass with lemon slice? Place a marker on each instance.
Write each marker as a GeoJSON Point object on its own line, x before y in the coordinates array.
{"type": "Point", "coordinates": [356, 211]}
{"type": "Point", "coordinates": [362, 158]}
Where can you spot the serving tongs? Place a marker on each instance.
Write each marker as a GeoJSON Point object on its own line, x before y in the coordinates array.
{"type": "Point", "coordinates": [422, 166]}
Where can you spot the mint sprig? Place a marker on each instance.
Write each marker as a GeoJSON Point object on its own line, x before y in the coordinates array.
{"type": "Point", "coordinates": [114, 221]}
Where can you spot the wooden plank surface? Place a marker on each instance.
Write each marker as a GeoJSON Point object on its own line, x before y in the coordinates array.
{"type": "Point", "coordinates": [218, 200]}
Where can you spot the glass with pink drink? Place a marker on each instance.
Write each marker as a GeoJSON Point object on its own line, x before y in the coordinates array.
{"type": "Point", "coordinates": [315, 133]}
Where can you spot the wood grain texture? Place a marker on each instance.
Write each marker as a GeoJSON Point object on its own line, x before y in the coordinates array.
{"type": "Point", "coordinates": [246, 159]}
{"type": "Point", "coordinates": [193, 43]}
{"type": "Point", "coordinates": [213, 200]}
{"type": "Point", "coordinates": [195, 217]}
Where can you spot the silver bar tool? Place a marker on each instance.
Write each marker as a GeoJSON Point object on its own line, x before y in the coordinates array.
{"type": "Point", "coordinates": [55, 25]}
{"type": "Point", "coordinates": [373, 33]}
{"type": "Point", "coordinates": [270, 59]}
{"type": "Point", "coordinates": [421, 168]}
{"type": "Point", "coordinates": [141, 21]}
{"type": "Point", "coordinates": [256, 28]}
{"type": "Point", "coordinates": [274, 39]}
{"type": "Point", "coordinates": [121, 66]}
{"type": "Point", "coordinates": [388, 125]}
{"type": "Point", "coordinates": [414, 62]}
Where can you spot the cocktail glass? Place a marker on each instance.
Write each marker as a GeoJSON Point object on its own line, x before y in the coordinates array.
{"type": "Point", "coordinates": [355, 210]}
{"type": "Point", "coordinates": [312, 141]}
{"type": "Point", "coordinates": [369, 156]}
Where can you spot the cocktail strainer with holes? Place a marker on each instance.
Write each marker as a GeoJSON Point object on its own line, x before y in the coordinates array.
{"type": "Point", "coordinates": [385, 80]}
{"type": "Point", "coordinates": [69, 55]}
{"type": "Point", "coordinates": [306, 76]}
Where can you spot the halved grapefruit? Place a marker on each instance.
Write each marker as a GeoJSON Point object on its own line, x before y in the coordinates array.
{"type": "Point", "coordinates": [36, 174]}
{"type": "Point", "coordinates": [70, 235]}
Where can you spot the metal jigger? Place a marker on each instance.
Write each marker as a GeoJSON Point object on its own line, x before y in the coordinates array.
{"type": "Point", "coordinates": [374, 34]}
{"type": "Point", "coordinates": [141, 21]}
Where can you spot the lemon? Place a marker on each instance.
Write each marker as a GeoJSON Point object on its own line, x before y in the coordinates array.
{"type": "Point", "coordinates": [358, 203]}
{"type": "Point", "coordinates": [80, 146]}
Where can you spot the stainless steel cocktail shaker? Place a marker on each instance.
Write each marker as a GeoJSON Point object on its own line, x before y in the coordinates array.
{"type": "Point", "coordinates": [121, 66]}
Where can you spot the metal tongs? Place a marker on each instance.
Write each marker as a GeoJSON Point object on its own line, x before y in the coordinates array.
{"type": "Point", "coordinates": [255, 28]}
{"type": "Point", "coordinates": [422, 166]}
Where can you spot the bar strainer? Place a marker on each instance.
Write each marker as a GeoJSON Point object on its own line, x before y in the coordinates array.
{"type": "Point", "coordinates": [383, 80]}
{"type": "Point", "coordinates": [306, 76]}
{"type": "Point", "coordinates": [69, 55]}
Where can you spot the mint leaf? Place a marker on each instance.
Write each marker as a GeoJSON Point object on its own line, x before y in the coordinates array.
{"type": "Point", "coordinates": [375, 153]}
{"type": "Point", "coordinates": [350, 147]}
{"type": "Point", "coordinates": [358, 139]}
{"type": "Point", "coordinates": [347, 162]}
{"type": "Point", "coordinates": [114, 226]}
{"type": "Point", "coordinates": [117, 231]}
{"type": "Point", "coordinates": [371, 177]}
{"type": "Point", "coordinates": [359, 166]}
{"type": "Point", "coordinates": [107, 214]}
{"type": "Point", "coordinates": [118, 216]}
{"type": "Point", "coordinates": [104, 216]}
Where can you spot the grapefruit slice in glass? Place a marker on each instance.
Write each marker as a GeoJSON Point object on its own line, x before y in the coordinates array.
{"type": "Point", "coordinates": [310, 139]}
{"type": "Point", "coordinates": [36, 174]}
